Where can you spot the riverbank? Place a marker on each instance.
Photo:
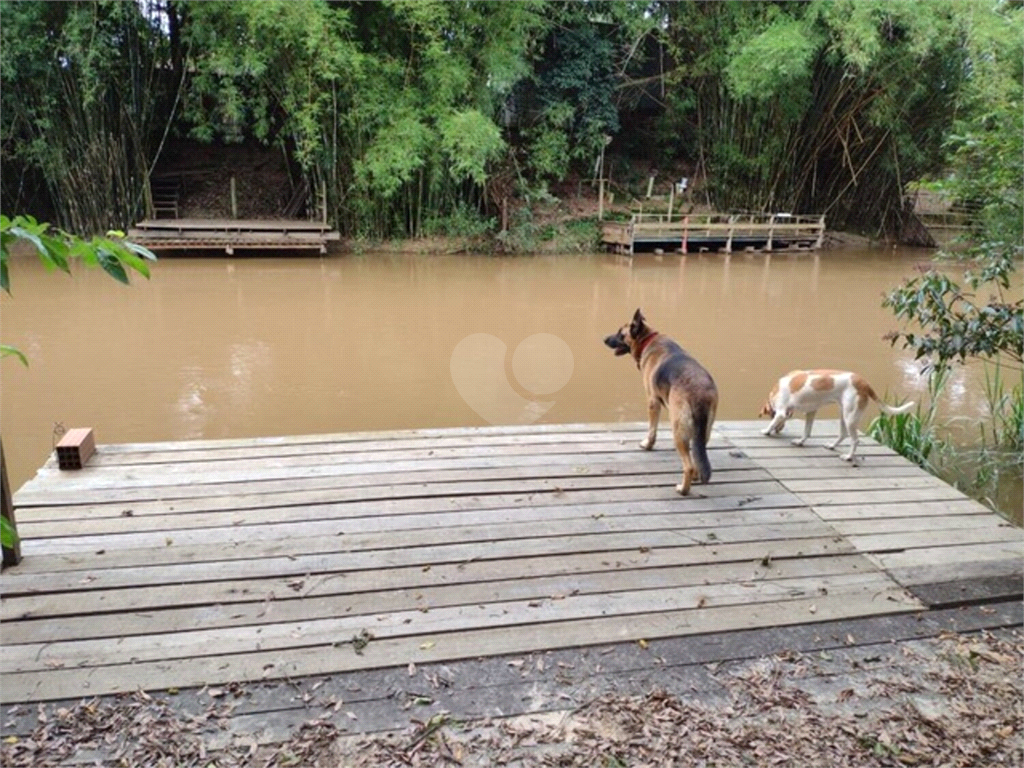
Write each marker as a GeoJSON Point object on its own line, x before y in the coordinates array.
{"type": "Point", "coordinates": [565, 225]}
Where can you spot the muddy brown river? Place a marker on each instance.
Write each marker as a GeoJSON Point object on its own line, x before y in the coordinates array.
{"type": "Point", "coordinates": [215, 347]}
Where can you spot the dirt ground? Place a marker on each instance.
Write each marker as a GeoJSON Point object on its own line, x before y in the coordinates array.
{"type": "Point", "coordinates": [954, 700]}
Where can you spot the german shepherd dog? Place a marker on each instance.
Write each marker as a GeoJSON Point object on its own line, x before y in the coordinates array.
{"type": "Point", "coordinates": [672, 378]}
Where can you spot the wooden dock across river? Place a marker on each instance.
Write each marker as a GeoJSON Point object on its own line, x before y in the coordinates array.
{"type": "Point", "coordinates": [265, 561]}
{"type": "Point", "coordinates": [697, 232]}
{"type": "Point", "coordinates": [231, 235]}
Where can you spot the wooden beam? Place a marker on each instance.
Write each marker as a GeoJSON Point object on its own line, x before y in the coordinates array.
{"type": "Point", "coordinates": [11, 555]}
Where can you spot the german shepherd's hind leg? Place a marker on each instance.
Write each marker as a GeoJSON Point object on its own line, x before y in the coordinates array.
{"type": "Point", "coordinates": [689, 472]}
{"type": "Point", "coordinates": [682, 434]}
{"type": "Point", "coordinates": [653, 414]}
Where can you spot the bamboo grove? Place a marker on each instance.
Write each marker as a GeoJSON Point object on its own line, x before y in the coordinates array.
{"type": "Point", "coordinates": [401, 114]}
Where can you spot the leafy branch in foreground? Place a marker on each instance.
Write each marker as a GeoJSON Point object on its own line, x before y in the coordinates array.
{"type": "Point", "coordinates": [955, 322]}
{"type": "Point", "coordinates": [56, 249]}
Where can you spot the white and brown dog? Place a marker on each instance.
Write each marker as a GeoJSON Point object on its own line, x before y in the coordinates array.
{"type": "Point", "coordinates": [807, 391]}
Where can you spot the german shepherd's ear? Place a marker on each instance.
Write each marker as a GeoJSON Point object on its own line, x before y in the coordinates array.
{"type": "Point", "coordinates": [636, 328]}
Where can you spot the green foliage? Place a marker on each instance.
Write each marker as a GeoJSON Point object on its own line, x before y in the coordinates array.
{"type": "Point", "coordinates": [575, 90]}
{"type": "Point", "coordinates": [976, 316]}
{"type": "Point", "coordinates": [82, 94]}
{"type": "Point", "coordinates": [979, 316]}
{"type": "Point", "coordinates": [776, 63]}
{"type": "Point", "coordinates": [986, 466]}
{"type": "Point", "coordinates": [397, 112]}
{"type": "Point", "coordinates": [462, 222]}
{"type": "Point", "coordinates": [955, 323]}
{"type": "Point", "coordinates": [271, 70]}
{"type": "Point", "coordinates": [393, 159]}
{"type": "Point", "coordinates": [471, 142]}
{"type": "Point", "coordinates": [8, 535]}
{"type": "Point", "coordinates": [1005, 431]}
{"type": "Point", "coordinates": [829, 105]}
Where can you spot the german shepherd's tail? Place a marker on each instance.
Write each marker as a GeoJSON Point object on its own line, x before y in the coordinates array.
{"type": "Point", "coordinates": [702, 418]}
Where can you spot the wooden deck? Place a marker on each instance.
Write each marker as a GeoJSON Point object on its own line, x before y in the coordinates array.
{"type": "Point", "coordinates": [178, 565]}
{"type": "Point", "coordinates": [695, 233]}
{"type": "Point", "coordinates": [232, 235]}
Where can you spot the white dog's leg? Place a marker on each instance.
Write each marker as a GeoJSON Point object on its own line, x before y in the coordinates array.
{"type": "Point", "coordinates": [842, 432]}
{"type": "Point", "coordinates": [653, 414]}
{"type": "Point", "coordinates": [852, 418]}
{"type": "Point", "coordinates": [808, 423]}
{"type": "Point", "coordinates": [776, 424]}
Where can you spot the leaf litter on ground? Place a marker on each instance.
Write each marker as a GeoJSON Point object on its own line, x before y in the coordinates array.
{"type": "Point", "coordinates": [949, 701]}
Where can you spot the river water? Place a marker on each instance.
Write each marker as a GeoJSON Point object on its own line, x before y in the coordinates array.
{"type": "Point", "coordinates": [215, 347]}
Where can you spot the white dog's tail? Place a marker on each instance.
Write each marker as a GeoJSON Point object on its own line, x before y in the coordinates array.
{"type": "Point", "coordinates": [892, 410]}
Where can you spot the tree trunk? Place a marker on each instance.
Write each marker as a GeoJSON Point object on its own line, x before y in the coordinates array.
{"type": "Point", "coordinates": [11, 555]}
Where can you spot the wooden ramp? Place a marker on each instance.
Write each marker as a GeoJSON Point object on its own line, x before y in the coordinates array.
{"type": "Point", "coordinates": [232, 235]}
{"type": "Point", "coordinates": [175, 565]}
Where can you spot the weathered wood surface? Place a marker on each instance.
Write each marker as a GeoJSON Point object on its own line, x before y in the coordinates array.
{"type": "Point", "coordinates": [232, 225]}
{"type": "Point", "coordinates": [185, 564]}
{"type": "Point", "coordinates": [715, 230]}
{"type": "Point", "coordinates": [231, 234]}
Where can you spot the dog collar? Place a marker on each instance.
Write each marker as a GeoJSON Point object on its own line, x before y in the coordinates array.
{"type": "Point", "coordinates": [642, 345]}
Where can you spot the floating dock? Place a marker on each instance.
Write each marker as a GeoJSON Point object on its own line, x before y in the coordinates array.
{"type": "Point", "coordinates": [697, 233]}
{"type": "Point", "coordinates": [346, 563]}
{"type": "Point", "coordinates": [232, 235]}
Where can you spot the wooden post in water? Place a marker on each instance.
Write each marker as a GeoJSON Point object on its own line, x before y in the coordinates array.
{"type": "Point", "coordinates": [771, 231]}
{"type": "Point", "coordinates": [600, 199]}
{"type": "Point", "coordinates": [728, 242]}
{"type": "Point", "coordinates": [234, 199]}
{"type": "Point", "coordinates": [11, 555]}
{"type": "Point", "coordinates": [686, 231]}
{"type": "Point", "coordinates": [821, 232]}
